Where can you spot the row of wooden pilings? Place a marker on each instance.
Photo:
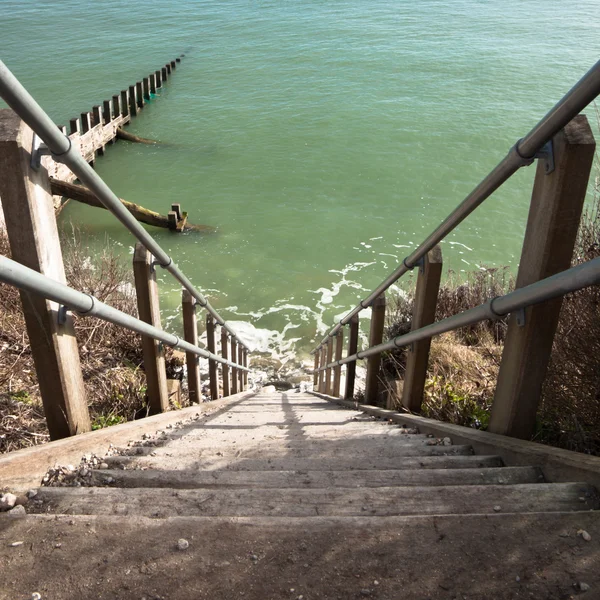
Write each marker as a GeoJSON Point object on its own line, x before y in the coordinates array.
{"type": "Point", "coordinates": [92, 131]}
{"type": "Point", "coordinates": [228, 381]}
{"type": "Point", "coordinates": [557, 201]}
{"type": "Point", "coordinates": [328, 381]}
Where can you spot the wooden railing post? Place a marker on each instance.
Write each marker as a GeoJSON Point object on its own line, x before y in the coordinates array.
{"type": "Point", "coordinates": [158, 75]}
{"type": "Point", "coordinates": [190, 334]}
{"type": "Point", "coordinates": [164, 74]}
{"type": "Point", "coordinates": [240, 361]}
{"type": "Point", "coordinates": [33, 235]}
{"type": "Point", "coordinates": [234, 371]}
{"type": "Point", "coordinates": [316, 372]}
{"type": "Point", "coordinates": [322, 359]}
{"type": "Point", "coordinates": [225, 354]}
{"type": "Point", "coordinates": [133, 108]}
{"type": "Point", "coordinates": [211, 345]}
{"type": "Point", "coordinates": [351, 367]}
{"type": "Point", "coordinates": [245, 372]}
{"type": "Point", "coordinates": [426, 296]}
{"type": "Point", "coordinates": [337, 371]}
{"type": "Point", "coordinates": [153, 83]}
{"type": "Point", "coordinates": [374, 362]}
{"type": "Point", "coordinates": [554, 216]}
{"type": "Point", "coordinates": [328, 360]}
{"type": "Point", "coordinates": [146, 82]}
{"type": "Point", "coordinates": [149, 311]}
{"type": "Point", "coordinates": [116, 106]}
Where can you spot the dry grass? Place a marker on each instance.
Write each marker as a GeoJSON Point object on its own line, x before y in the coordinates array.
{"type": "Point", "coordinates": [111, 357]}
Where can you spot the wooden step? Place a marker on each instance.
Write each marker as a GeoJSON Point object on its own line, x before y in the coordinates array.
{"type": "Point", "coordinates": [318, 479]}
{"type": "Point", "coordinates": [383, 501]}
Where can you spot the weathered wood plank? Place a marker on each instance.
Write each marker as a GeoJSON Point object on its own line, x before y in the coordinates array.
{"type": "Point", "coordinates": [190, 334]}
{"type": "Point", "coordinates": [374, 362]}
{"type": "Point", "coordinates": [33, 236]}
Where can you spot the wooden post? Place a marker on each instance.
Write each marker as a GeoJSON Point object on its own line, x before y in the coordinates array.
{"type": "Point", "coordinates": [74, 126]}
{"type": "Point", "coordinates": [164, 73]}
{"type": "Point", "coordinates": [240, 372]}
{"type": "Point", "coordinates": [225, 354]}
{"type": "Point", "coordinates": [146, 83]}
{"type": "Point", "coordinates": [374, 362]}
{"type": "Point", "coordinates": [554, 216]}
{"type": "Point", "coordinates": [153, 83]}
{"type": "Point", "coordinates": [116, 106]}
{"type": "Point", "coordinates": [212, 364]}
{"type": "Point", "coordinates": [337, 371]}
{"type": "Point", "coordinates": [190, 334]}
{"type": "Point", "coordinates": [63, 129]}
{"type": "Point", "coordinates": [107, 112]}
{"type": "Point", "coordinates": [234, 371]}
{"type": "Point", "coordinates": [322, 359]}
{"type": "Point", "coordinates": [33, 236]}
{"type": "Point", "coordinates": [158, 79]}
{"type": "Point", "coordinates": [351, 367]}
{"type": "Point", "coordinates": [133, 108]}
{"type": "Point", "coordinates": [316, 373]}
{"type": "Point", "coordinates": [426, 295]}
{"type": "Point", "coordinates": [329, 359]}
{"type": "Point", "coordinates": [168, 67]}
{"type": "Point", "coordinates": [97, 118]}
{"type": "Point", "coordinates": [245, 363]}
{"type": "Point", "coordinates": [173, 65]}
{"type": "Point", "coordinates": [178, 60]}
{"type": "Point", "coordinates": [86, 122]}
{"type": "Point", "coordinates": [149, 311]}
{"type": "Point", "coordinates": [139, 92]}
{"type": "Point", "coordinates": [125, 102]}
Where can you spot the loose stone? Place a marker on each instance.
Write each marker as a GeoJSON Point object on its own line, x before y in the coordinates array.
{"type": "Point", "coordinates": [585, 535]}
{"type": "Point", "coordinates": [17, 511]}
{"type": "Point", "coordinates": [7, 501]}
{"type": "Point", "coordinates": [182, 544]}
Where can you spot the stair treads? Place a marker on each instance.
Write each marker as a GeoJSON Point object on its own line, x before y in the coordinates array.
{"type": "Point", "coordinates": [320, 479]}
{"type": "Point", "coordinates": [417, 500]}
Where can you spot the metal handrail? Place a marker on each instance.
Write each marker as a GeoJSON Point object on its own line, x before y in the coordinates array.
{"type": "Point", "coordinates": [521, 154]}
{"type": "Point", "coordinates": [571, 280]}
{"type": "Point", "coordinates": [19, 99]}
{"type": "Point", "coordinates": [86, 305]}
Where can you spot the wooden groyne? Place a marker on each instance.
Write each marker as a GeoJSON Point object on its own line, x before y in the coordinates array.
{"type": "Point", "coordinates": [92, 131]}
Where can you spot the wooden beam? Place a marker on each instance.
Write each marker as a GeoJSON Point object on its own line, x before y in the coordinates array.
{"type": "Point", "coordinates": [245, 364]}
{"type": "Point", "coordinates": [190, 335]}
{"type": "Point", "coordinates": [374, 362]}
{"type": "Point", "coordinates": [554, 217]}
{"type": "Point", "coordinates": [211, 344]}
{"type": "Point", "coordinates": [33, 236]}
{"type": "Point", "coordinates": [351, 367]}
{"type": "Point", "coordinates": [149, 311]}
{"type": "Point", "coordinates": [426, 296]}
{"type": "Point", "coordinates": [225, 368]}
{"type": "Point", "coordinates": [322, 359]}
{"type": "Point", "coordinates": [337, 371]}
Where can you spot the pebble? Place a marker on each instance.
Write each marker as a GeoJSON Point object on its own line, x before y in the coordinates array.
{"type": "Point", "coordinates": [585, 535]}
{"type": "Point", "coordinates": [17, 510]}
{"type": "Point", "coordinates": [497, 508]}
{"type": "Point", "coordinates": [447, 441]}
{"type": "Point", "coordinates": [584, 587]}
{"type": "Point", "coordinates": [32, 493]}
{"type": "Point", "coordinates": [16, 544]}
{"type": "Point", "coordinates": [103, 466]}
{"type": "Point", "coordinates": [36, 596]}
{"type": "Point", "coordinates": [7, 501]}
{"type": "Point", "coordinates": [108, 480]}
{"type": "Point", "coordinates": [365, 592]}
{"type": "Point", "coordinates": [182, 544]}
{"type": "Point", "coordinates": [253, 557]}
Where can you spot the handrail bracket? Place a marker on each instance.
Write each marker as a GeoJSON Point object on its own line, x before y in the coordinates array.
{"type": "Point", "coordinates": [546, 152]}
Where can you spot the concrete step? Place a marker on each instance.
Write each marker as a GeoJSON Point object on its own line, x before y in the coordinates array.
{"type": "Point", "coordinates": [499, 556]}
{"type": "Point", "coordinates": [383, 501]}
{"type": "Point", "coordinates": [319, 479]}
{"type": "Point", "coordinates": [341, 463]}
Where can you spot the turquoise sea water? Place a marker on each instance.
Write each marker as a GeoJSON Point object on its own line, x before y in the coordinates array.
{"type": "Point", "coordinates": [323, 139]}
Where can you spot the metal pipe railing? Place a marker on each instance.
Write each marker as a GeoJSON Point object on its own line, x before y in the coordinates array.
{"type": "Point", "coordinates": [571, 280]}
{"type": "Point", "coordinates": [521, 154]}
{"type": "Point", "coordinates": [19, 99]}
{"type": "Point", "coordinates": [85, 305]}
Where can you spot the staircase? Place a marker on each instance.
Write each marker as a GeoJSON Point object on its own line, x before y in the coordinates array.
{"type": "Point", "coordinates": [290, 496]}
